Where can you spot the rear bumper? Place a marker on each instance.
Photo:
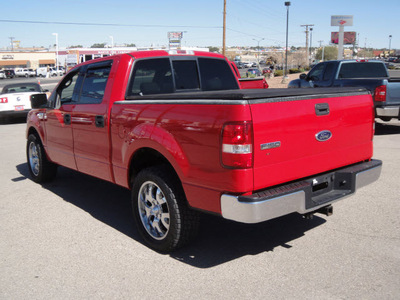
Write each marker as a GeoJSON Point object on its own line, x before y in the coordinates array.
{"type": "Point", "coordinates": [388, 111]}
{"type": "Point", "coordinates": [302, 196]}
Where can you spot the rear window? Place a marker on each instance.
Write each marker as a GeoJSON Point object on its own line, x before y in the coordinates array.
{"type": "Point", "coordinates": [167, 75]}
{"type": "Point", "coordinates": [216, 74]}
{"type": "Point", "coordinates": [362, 70]}
{"type": "Point", "coordinates": [28, 88]}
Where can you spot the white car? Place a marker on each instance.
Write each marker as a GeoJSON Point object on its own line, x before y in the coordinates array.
{"type": "Point", "coordinates": [2, 75]}
{"type": "Point", "coordinates": [23, 72]}
{"type": "Point", "coordinates": [55, 72]}
{"type": "Point", "coordinates": [15, 99]}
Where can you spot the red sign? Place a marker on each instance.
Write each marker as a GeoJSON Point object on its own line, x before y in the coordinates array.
{"type": "Point", "coordinates": [349, 38]}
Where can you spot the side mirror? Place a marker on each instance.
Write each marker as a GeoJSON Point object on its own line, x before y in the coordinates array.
{"type": "Point", "coordinates": [38, 100]}
{"type": "Point", "coordinates": [303, 76]}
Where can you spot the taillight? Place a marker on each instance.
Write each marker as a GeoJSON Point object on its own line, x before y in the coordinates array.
{"type": "Point", "coordinates": [237, 145]}
{"type": "Point", "coordinates": [4, 100]}
{"type": "Point", "coordinates": [380, 93]}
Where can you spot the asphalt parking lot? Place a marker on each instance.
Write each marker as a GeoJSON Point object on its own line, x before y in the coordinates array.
{"type": "Point", "coordinates": [74, 238]}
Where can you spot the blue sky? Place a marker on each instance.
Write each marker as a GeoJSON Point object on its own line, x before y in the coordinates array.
{"type": "Point", "coordinates": [146, 23]}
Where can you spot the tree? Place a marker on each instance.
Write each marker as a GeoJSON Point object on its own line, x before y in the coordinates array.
{"type": "Point", "coordinates": [130, 45]}
{"type": "Point", "coordinates": [76, 46]}
{"type": "Point", "coordinates": [330, 53]}
{"type": "Point", "coordinates": [213, 49]}
{"type": "Point", "coordinates": [98, 45]}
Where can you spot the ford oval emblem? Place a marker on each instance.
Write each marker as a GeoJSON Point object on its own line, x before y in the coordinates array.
{"type": "Point", "coordinates": [323, 136]}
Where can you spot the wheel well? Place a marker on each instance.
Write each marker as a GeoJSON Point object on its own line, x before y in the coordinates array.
{"type": "Point", "coordinates": [147, 157]}
{"type": "Point", "coordinates": [34, 132]}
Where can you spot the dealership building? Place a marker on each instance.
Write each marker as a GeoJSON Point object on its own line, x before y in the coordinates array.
{"type": "Point", "coordinates": [65, 57]}
{"type": "Point", "coordinates": [27, 59]}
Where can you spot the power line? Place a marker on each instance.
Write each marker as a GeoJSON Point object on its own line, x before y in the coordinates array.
{"type": "Point", "coordinates": [106, 24]}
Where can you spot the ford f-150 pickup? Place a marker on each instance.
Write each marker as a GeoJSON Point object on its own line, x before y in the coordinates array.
{"type": "Point", "coordinates": [176, 129]}
{"type": "Point", "coordinates": [371, 75]}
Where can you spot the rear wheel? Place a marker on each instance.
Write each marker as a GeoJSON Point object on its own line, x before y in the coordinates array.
{"type": "Point", "coordinates": [161, 213]}
{"type": "Point", "coordinates": [40, 168]}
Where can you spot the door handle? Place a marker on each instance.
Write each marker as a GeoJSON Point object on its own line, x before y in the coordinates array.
{"type": "Point", "coordinates": [99, 121]}
{"type": "Point", "coordinates": [322, 109]}
{"type": "Point", "coordinates": [67, 119]}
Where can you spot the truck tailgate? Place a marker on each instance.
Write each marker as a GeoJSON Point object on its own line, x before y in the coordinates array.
{"type": "Point", "coordinates": [299, 133]}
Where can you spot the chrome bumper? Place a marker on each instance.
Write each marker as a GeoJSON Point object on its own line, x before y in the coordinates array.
{"type": "Point", "coordinates": [389, 111]}
{"type": "Point", "coordinates": [303, 196]}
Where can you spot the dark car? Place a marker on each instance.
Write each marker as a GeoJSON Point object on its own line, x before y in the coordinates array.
{"type": "Point", "coordinates": [253, 72]}
{"type": "Point", "coordinates": [9, 73]}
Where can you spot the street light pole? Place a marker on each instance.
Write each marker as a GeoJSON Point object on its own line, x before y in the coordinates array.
{"type": "Point", "coordinates": [285, 76]}
{"type": "Point", "coordinates": [258, 50]}
{"type": "Point", "coordinates": [56, 34]}
{"type": "Point", "coordinates": [311, 29]}
{"type": "Point", "coordinates": [390, 42]}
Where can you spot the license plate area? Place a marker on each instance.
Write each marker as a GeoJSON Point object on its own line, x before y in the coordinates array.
{"type": "Point", "coordinates": [19, 108]}
{"type": "Point", "coordinates": [327, 188]}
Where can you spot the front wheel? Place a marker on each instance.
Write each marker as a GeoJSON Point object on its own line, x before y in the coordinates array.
{"type": "Point", "coordinates": [40, 168]}
{"type": "Point", "coordinates": [161, 213]}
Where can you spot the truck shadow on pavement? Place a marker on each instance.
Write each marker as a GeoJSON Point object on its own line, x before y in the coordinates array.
{"type": "Point", "coordinates": [387, 128]}
{"type": "Point", "coordinates": [219, 240]}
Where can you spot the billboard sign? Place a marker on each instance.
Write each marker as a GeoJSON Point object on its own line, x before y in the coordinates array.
{"type": "Point", "coordinates": [175, 39]}
{"type": "Point", "coordinates": [348, 39]}
{"type": "Point", "coordinates": [342, 20]}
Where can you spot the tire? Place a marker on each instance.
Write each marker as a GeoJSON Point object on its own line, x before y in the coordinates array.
{"type": "Point", "coordinates": [160, 211]}
{"type": "Point", "coordinates": [40, 168]}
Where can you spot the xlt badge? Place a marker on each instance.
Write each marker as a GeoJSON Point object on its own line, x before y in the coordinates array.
{"type": "Point", "coordinates": [270, 145]}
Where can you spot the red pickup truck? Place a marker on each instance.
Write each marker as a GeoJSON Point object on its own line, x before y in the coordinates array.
{"type": "Point", "coordinates": [177, 130]}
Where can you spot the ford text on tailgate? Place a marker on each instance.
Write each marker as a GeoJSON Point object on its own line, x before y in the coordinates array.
{"type": "Point", "coordinates": [176, 129]}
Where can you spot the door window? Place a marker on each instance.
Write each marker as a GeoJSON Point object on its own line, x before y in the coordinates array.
{"type": "Point", "coordinates": [67, 94]}
{"type": "Point", "coordinates": [316, 73]}
{"type": "Point", "coordinates": [94, 84]}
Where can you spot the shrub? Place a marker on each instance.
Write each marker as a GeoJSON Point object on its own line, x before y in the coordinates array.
{"type": "Point", "coordinates": [278, 73]}
{"type": "Point", "coordinates": [293, 71]}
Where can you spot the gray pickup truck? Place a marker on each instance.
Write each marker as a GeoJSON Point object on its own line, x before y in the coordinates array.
{"type": "Point", "coordinates": [372, 75]}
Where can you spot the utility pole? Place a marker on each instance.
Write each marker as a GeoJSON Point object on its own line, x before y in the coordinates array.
{"type": "Point", "coordinates": [224, 31]}
{"type": "Point", "coordinates": [307, 53]}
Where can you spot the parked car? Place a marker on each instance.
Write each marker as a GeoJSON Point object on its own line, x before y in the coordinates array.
{"type": "Point", "coordinates": [372, 75]}
{"type": "Point", "coordinates": [2, 75]}
{"type": "Point", "coordinates": [266, 70]}
{"type": "Point", "coordinates": [14, 99]}
{"type": "Point", "coordinates": [253, 72]}
{"type": "Point", "coordinates": [23, 72]}
{"type": "Point", "coordinates": [249, 83]}
{"type": "Point", "coordinates": [9, 73]}
{"type": "Point", "coordinates": [55, 72]}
